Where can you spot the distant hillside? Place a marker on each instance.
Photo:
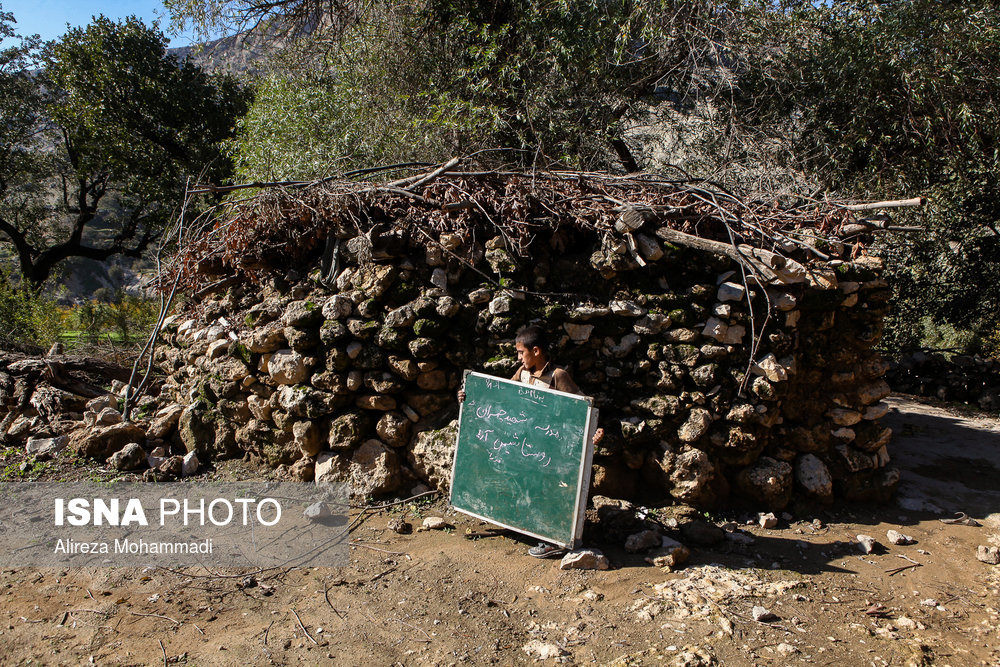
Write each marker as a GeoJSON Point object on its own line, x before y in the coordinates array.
{"type": "Point", "coordinates": [235, 54]}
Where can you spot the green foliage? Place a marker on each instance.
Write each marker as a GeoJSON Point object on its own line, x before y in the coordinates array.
{"type": "Point", "coordinates": [944, 336]}
{"type": "Point", "coordinates": [888, 99]}
{"type": "Point", "coordinates": [26, 316]}
{"type": "Point", "coordinates": [540, 81]}
{"type": "Point", "coordinates": [124, 318]}
{"type": "Point", "coordinates": [104, 138]}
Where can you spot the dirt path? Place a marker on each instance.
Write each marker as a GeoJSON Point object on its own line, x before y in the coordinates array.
{"type": "Point", "coordinates": [469, 594]}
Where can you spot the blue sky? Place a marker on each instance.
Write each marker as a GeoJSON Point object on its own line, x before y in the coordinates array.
{"type": "Point", "coordinates": [48, 18]}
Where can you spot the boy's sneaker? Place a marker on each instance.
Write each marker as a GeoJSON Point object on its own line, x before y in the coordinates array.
{"type": "Point", "coordinates": [544, 550]}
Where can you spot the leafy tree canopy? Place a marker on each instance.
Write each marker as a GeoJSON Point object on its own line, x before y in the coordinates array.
{"type": "Point", "coordinates": [103, 137]}
{"type": "Point", "coordinates": [898, 97]}
{"type": "Point", "coordinates": [387, 81]}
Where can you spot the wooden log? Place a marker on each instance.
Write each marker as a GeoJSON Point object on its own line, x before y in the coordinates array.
{"type": "Point", "coordinates": [631, 220]}
{"type": "Point", "coordinates": [771, 266]}
{"type": "Point", "coordinates": [18, 365]}
{"type": "Point", "coordinates": [895, 203]}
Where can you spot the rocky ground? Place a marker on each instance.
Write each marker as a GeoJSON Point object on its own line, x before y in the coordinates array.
{"type": "Point", "coordinates": [799, 592]}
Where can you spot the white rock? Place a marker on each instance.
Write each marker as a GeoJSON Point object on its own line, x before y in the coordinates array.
{"type": "Point", "coordinates": [217, 348]}
{"type": "Point", "coordinates": [433, 523]}
{"type": "Point", "coordinates": [651, 324]}
{"type": "Point", "coordinates": [317, 511]}
{"type": "Point", "coordinates": [988, 554]}
{"type": "Point", "coordinates": [500, 305]}
{"type": "Point", "coordinates": [786, 649]}
{"type": "Point", "coordinates": [771, 369]}
{"type": "Point", "coordinates": [578, 333]}
{"type": "Point", "coordinates": [898, 538]}
{"type": "Point", "coordinates": [622, 348]}
{"type": "Point", "coordinates": [287, 367]}
{"type": "Point", "coordinates": [439, 278]}
{"type": "Point", "coordinates": [813, 475]}
{"type": "Point", "coordinates": [190, 464]}
{"type": "Point", "coordinates": [589, 312]}
{"type": "Point", "coordinates": [731, 292]}
{"type": "Point", "coordinates": [868, 543]}
{"type": "Point", "coordinates": [762, 614]}
{"type": "Point", "coordinates": [783, 301]}
{"type": "Point", "coordinates": [337, 307]}
{"type": "Point", "coordinates": [626, 308]}
{"type": "Point", "coordinates": [46, 448]}
{"type": "Point", "coordinates": [108, 417]}
{"type": "Point", "coordinates": [584, 559]}
{"type": "Point", "coordinates": [767, 520]}
{"type": "Point", "coordinates": [540, 650]}
{"type": "Point", "coordinates": [481, 295]}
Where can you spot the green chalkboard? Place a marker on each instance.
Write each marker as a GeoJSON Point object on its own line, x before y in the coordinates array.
{"type": "Point", "coordinates": [523, 457]}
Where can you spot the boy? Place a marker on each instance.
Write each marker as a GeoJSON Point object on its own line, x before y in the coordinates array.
{"type": "Point", "coordinates": [532, 351]}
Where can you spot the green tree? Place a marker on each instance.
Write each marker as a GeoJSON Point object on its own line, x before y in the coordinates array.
{"type": "Point", "coordinates": [106, 133]}
{"type": "Point", "coordinates": [899, 97]}
{"type": "Point", "coordinates": [387, 81]}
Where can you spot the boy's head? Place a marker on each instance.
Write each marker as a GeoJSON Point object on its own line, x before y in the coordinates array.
{"type": "Point", "coordinates": [532, 347]}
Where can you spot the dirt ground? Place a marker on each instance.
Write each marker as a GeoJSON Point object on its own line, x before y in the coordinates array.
{"type": "Point", "coordinates": [469, 594]}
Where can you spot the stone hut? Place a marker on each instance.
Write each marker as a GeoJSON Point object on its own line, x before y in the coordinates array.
{"type": "Point", "coordinates": [728, 345]}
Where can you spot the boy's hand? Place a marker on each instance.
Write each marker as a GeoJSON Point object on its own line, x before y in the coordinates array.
{"type": "Point", "coordinates": [598, 436]}
{"type": "Point", "coordinates": [461, 396]}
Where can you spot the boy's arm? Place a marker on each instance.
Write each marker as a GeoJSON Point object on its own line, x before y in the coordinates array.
{"type": "Point", "coordinates": [562, 381]}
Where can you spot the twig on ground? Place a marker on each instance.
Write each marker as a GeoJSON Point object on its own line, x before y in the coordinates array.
{"type": "Point", "coordinates": [357, 543]}
{"type": "Point", "coordinates": [303, 627]}
{"type": "Point", "coordinates": [420, 630]}
{"type": "Point", "coordinates": [166, 618]}
{"type": "Point", "coordinates": [164, 651]}
{"type": "Point", "coordinates": [326, 596]}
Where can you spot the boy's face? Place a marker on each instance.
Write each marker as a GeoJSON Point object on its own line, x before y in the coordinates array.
{"type": "Point", "coordinates": [532, 357]}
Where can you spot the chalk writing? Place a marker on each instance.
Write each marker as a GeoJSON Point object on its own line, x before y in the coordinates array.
{"type": "Point", "coordinates": [548, 430]}
{"type": "Point", "coordinates": [486, 413]}
{"type": "Point", "coordinates": [535, 455]}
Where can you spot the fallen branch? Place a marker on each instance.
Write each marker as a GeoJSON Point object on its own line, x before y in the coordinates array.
{"type": "Point", "coordinates": [894, 203]}
{"type": "Point", "coordinates": [771, 266]}
{"type": "Point", "coordinates": [303, 627]}
{"type": "Point", "coordinates": [166, 618]}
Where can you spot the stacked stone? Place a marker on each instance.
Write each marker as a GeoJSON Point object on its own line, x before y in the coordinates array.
{"type": "Point", "coordinates": [967, 378]}
{"type": "Point", "coordinates": [348, 382]}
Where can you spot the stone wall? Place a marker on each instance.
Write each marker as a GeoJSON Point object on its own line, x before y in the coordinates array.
{"type": "Point", "coordinates": [352, 380]}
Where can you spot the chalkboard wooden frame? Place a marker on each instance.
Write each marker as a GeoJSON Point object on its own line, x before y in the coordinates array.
{"type": "Point", "coordinates": [477, 478]}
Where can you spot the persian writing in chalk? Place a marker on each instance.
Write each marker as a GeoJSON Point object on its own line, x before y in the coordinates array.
{"type": "Point", "coordinates": [487, 412]}
{"type": "Point", "coordinates": [498, 448]}
{"type": "Point", "coordinates": [500, 443]}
